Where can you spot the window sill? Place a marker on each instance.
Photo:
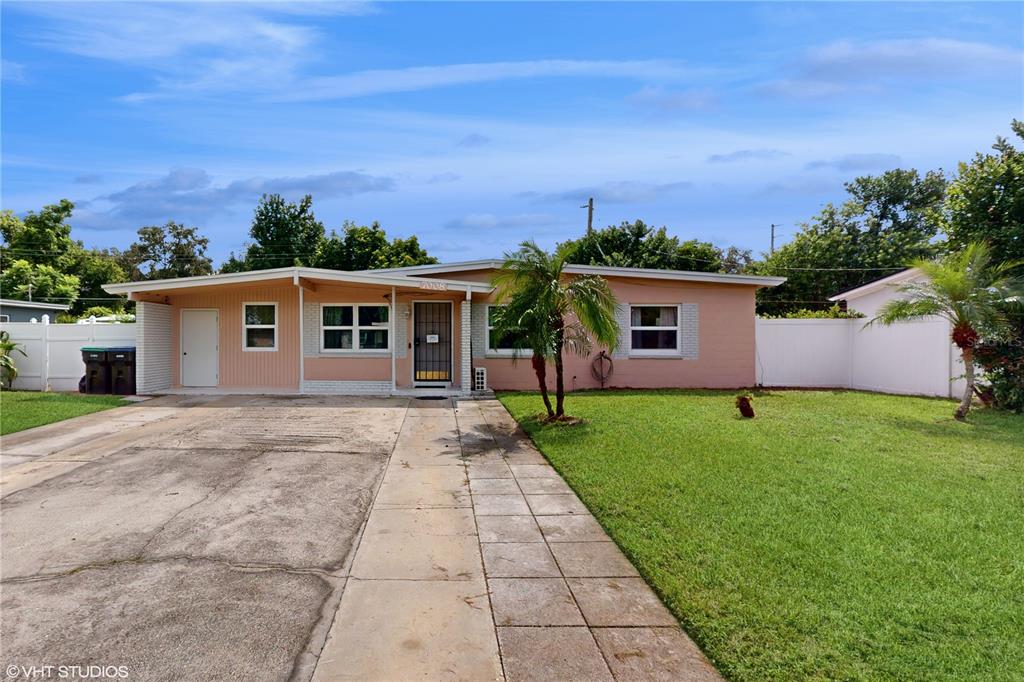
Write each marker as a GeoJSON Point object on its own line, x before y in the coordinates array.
{"type": "Point", "coordinates": [656, 356]}
{"type": "Point", "coordinates": [352, 354]}
{"type": "Point", "coordinates": [259, 350]}
{"type": "Point", "coordinates": [492, 355]}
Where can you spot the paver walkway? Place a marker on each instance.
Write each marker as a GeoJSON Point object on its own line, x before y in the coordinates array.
{"type": "Point", "coordinates": [478, 562]}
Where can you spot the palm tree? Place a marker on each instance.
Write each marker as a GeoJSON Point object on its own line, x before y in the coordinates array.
{"type": "Point", "coordinates": [968, 290]}
{"type": "Point", "coordinates": [546, 311]}
{"type": "Point", "coordinates": [8, 370]}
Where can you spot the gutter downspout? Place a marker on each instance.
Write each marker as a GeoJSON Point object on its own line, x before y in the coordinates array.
{"type": "Point", "coordinates": [393, 338]}
{"type": "Point", "coordinates": [302, 331]}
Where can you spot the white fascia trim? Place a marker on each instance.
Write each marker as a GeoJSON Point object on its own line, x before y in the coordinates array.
{"type": "Point", "coordinates": [680, 275]}
{"type": "Point", "coordinates": [287, 273]}
{"type": "Point", "coordinates": [877, 285]}
{"type": "Point", "coordinates": [607, 271]}
{"type": "Point", "coordinates": [7, 303]}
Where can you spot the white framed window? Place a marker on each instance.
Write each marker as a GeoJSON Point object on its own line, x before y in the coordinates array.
{"type": "Point", "coordinates": [654, 329]}
{"type": "Point", "coordinates": [259, 326]}
{"type": "Point", "coordinates": [346, 327]}
{"type": "Point", "coordinates": [5, 318]}
{"type": "Point", "coordinates": [501, 344]}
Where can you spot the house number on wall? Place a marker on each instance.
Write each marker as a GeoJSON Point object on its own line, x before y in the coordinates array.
{"type": "Point", "coordinates": [434, 286]}
{"type": "Point", "coordinates": [432, 338]}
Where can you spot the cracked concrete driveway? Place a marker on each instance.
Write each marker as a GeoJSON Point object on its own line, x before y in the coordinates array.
{"type": "Point", "coordinates": [258, 538]}
{"type": "Point", "coordinates": [187, 538]}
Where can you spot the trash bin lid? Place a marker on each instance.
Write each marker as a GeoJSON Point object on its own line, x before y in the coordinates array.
{"type": "Point", "coordinates": [100, 349]}
{"type": "Point", "coordinates": [121, 349]}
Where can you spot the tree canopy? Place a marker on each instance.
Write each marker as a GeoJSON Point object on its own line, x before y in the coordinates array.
{"type": "Point", "coordinates": [286, 234]}
{"type": "Point", "coordinates": [985, 202]}
{"type": "Point", "coordinates": [638, 245]}
{"type": "Point", "coordinates": [889, 221]}
{"type": "Point", "coordinates": [172, 250]}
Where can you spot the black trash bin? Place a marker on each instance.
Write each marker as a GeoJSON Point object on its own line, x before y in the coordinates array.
{"type": "Point", "coordinates": [97, 371]}
{"type": "Point", "coordinates": [122, 370]}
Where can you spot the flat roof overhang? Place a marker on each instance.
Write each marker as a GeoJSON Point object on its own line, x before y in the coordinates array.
{"type": "Point", "coordinates": [297, 276]}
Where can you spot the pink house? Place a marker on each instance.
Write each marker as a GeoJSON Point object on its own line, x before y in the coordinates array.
{"type": "Point", "coordinates": [309, 330]}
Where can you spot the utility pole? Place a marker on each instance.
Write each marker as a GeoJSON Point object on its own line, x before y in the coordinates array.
{"type": "Point", "coordinates": [590, 215]}
{"type": "Point", "coordinates": [773, 238]}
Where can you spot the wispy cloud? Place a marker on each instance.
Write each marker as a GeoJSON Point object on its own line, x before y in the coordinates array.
{"type": "Point", "coordinates": [88, 179]}
{"type": "Point", "coordinates": [12, 72]}
{"type": "Point", "coordinates": [619, 192]}
{"type": "Point", "coordinates": [190, 194]}
{"type": "Point", "coordinates": [492, 222]}
{"type": "Point", "coordinates": [748, 155]}
{"type": "Point", "coordinates": [869, 66]}
{"type": "Point", "coordinates": [473, 140]}
{"type": "Point", "coordinates": [383, 81]}
{"type": "Point", "coordinates": [857, 162]}
{"type": "Point", "coordinates": [658, 99]}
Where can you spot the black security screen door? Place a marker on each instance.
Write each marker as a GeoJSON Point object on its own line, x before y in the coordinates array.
{"type": "Point", "coordinates": [432, 326]}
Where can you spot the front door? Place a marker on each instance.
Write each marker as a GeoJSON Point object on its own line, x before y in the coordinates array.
{"type": "Point", "coordinates": [432, 334]}
{"type": "Point", "coordinates": [199, 347]}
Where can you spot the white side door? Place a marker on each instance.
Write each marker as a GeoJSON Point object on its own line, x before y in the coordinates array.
{"type": "Point", "coordinates": [199, 347]}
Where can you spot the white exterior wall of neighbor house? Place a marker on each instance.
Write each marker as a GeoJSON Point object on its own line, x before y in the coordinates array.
{"type": "Point", "coordinates": [152, 347]}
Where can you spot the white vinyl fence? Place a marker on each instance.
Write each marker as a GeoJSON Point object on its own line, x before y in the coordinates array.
{"type": "Point", "coordinates": [53, 352]}
{"type": "Point", "coordinates": [915, 358]}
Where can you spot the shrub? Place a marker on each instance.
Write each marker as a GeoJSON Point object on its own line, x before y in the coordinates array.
{"type": "Point", "coordinates": [833, 313]}
{"type": "Point", "coordinates": [1002, 361]}
{"type": "Point", "coordinates": [97, 310]}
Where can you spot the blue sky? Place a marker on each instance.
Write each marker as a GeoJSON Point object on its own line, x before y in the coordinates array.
{"type": "Point", "coordinates": [475, 126]}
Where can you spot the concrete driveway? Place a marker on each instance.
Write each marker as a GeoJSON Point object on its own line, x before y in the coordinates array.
{"type": "Point", "coordinates": [273, 538]}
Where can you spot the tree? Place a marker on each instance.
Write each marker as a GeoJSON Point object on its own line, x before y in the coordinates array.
{"type": "Point", "coordinates": [888, 221]}
{"type": "Point", "coordinates": [94, 268]}
{"type": "Point", "coordinates": [367, 248]}
{"type": "Point", "coordinates": [549, 312]}
{"type": "Point", "coordinates": [970, 291]}
{"type": "Point", "coordinates": [172, 250]}
{"type": "Point", "coordinates": [26, 281]}
{"type": "Point", "coordinates": [985, 202]}
{"type": "Point", "coordinates": [284, 234]}
{"type": "Point", "coordinates": [637, 245]}
{"type": "Point", "coordinates": [43, 237]}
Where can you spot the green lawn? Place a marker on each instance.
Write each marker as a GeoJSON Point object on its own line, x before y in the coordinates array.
{"type": "Point", "coordinates": [837, 535]}
{"type": "Point", "coordinates": [20, 410]}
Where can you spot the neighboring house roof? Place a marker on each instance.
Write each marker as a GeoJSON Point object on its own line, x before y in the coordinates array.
{"type": "Point", "coordinates": [877, 285]}
{"type": "Point", "coordinates": [293, 273]}
{"type": "Point", "coordinates": [10, 303]}
{"type": "Point", "coordinates": [603, 270]}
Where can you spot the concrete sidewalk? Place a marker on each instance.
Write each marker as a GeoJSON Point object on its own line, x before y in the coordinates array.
{"type": "Point", "coordinates": [478, 562]}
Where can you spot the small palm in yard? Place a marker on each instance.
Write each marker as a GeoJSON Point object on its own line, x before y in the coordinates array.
{"type": "Point", "coordinates": [547, 312]}
{"type": "Point", "coordinates": [969, 291]}
{"type": "Point", "coordinates": [8, 370]}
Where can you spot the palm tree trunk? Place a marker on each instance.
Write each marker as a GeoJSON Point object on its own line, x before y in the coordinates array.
{"type": "Point", "coordinates": [965, 403]}
{"type": "Point", "coordinates": [541, 370]}
{"type": "Point", "coordinates": [559, 372]}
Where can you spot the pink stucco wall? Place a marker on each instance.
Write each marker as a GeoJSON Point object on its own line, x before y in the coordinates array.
{"type": "Point", "coordinates": [726, 331]}
{"type": "Point", "coordinates": [278, 369]}
{"type": "Point", "coordinates": [726, 356]}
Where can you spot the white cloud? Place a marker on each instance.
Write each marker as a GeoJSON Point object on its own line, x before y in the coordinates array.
{"type": "Point", "coordinates": [864, 67]}
{"type": "Point", "coordinates": [662, 100]}
{"type": "Point", "coordinates": [12, 72]}
{"type": "Point", "coordinates": [382, 81]}
{"type": "Point", "coordinates": [491, 222]}
{"type": "Point", "coordinates": [189, 194]}
{"type": "Point", "coordinates": [615, 192]}
{"type": "Point", "coordinates": [857, 162]}
{"type": "Point", "coordinates": [748, 155]}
